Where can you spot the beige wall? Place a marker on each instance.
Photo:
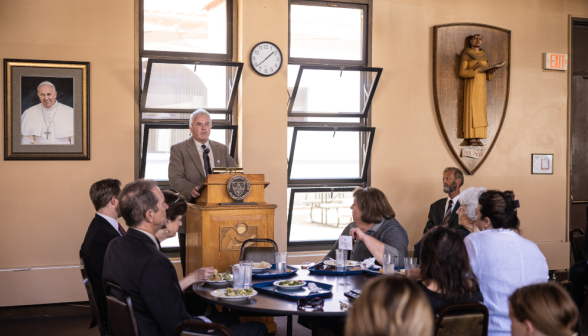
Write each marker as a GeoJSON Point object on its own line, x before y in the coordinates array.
{"type": "Point", "coordinates": [44, 205]}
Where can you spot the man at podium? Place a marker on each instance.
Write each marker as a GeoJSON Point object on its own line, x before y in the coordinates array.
{"type": "Point", "coordinates": [191, 160]}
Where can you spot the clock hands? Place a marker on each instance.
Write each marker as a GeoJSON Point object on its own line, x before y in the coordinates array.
{"type": "Point", "coordinates": [268, 56]}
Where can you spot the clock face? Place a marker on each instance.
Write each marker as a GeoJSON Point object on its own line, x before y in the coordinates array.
{"type": "Point", "coordinates": [266, 58]}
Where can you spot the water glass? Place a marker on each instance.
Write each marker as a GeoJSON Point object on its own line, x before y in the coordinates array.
{"type": "Point", "coordinates": [246, 269]}
{"type": "Point", "coordinates": [281, 262]}
{"type": "Point", "coordinates": [238, 278]}
{"type": "Point", "coordinates": [341, 258]}
{"type": "Point", "coordinates": [410, 264]}
{"type": "Point", "coordinates": [388, 263]}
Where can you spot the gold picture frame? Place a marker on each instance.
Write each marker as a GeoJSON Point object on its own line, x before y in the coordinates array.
{"type": "Point", "coordinates": [49, 101]}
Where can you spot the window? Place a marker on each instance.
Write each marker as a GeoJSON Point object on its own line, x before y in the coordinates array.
{"type": "Point", "coordinates": [330, 90]}
{"type": "Point", "coordinates": [186, 48]}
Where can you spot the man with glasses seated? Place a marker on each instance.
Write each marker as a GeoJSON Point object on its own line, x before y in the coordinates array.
{"type": "Point", "coordinates": [135, 263]}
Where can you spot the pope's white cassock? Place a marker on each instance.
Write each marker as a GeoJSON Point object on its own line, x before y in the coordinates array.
{"type": "Point", "coordinates": [48, 126]}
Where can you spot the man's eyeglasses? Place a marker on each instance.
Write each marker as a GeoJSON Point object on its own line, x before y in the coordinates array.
{"type": "Point", "coordinates": [176, 201]}
{"type": "Point", "coordinates": [314, 303]}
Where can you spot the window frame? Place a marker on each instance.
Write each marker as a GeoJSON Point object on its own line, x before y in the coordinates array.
{"type": "Point", "coordinates": [192, 61]}
{"type": "Point", "coordinates": [339, 181]}
{"type": "Point", "coordinates": [338, 4]}
{"type": "Point", "coordinates": [317, 244]}
{"type": "Point", "coordinates": [366, 104]}
{"type": "Point", "coordinates": [149, 126]}
{"type": "Point", "coordinates": [228, 56]}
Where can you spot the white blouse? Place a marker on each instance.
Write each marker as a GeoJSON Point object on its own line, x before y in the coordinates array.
{"type": "Point", "coordinates": [503, 261]}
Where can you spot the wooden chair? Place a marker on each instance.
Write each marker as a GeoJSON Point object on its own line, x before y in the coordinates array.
{"type": "Point", "coordinates": [576, 242]}
{"type": "Point", "coordinates": [120, 311]}
{"type": "Point", "coordinates": [219, 328]}
{"type": "Point", "coordinates": [258, 254]}
{"type": "Point", "coordinates": [471, 319]}
{"type": "Point", "coordinates": [90, 291]}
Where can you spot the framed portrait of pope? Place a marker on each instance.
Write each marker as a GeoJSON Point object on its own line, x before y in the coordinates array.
{"type": "Point", "coordinates": [46, 110]}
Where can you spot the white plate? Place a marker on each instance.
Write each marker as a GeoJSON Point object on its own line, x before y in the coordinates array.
{"type": "Point", "coordinates": [277, 284]}
{"type": "Point", "coordinates": [219, 293]}
{"type": "Point", "coordinates": [259, 270]}
{"type": "Point", "coordinates": [349, 262]}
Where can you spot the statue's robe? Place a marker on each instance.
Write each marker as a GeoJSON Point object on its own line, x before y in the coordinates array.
{"type": "Point", "coordinates": [475, 121]}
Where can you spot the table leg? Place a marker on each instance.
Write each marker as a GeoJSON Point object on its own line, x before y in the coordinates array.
{"type": "Point", "coordinates": [289, 326]}
{"type": "Point", "coordinates": [314, 324]}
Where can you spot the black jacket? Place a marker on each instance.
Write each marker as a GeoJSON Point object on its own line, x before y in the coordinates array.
{"type": "Point", "coordinates": [436, 214]}
{"type": "Point", "coordinates": [136, 264]}
{"type": "Point", "coordinates": [98, 236]}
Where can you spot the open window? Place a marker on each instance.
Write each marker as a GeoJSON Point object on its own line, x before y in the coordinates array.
{"type": "Point", "coordinates": [329, 155]}
{"type": "Point", "coordinates": [182, 86]}
{"type": "Point", "coordinates": [158, 139]}
{"type": "Point", "coordinates": [332, 91]}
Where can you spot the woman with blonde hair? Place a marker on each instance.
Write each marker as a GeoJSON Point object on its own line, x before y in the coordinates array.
{"type": "Point", "coordinates": [543, 309]}
{"type": "Point", "coordinates": [390, 306]}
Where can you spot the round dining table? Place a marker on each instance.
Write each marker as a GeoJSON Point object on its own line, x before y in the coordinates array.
{"type": "Point", "coordinates": [272, 305]}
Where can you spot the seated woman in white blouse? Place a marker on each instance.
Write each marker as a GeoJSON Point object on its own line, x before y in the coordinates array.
{"type": "Point", "coordinates": [501, 259]}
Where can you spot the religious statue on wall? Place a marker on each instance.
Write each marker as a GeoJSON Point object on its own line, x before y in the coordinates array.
{"type": "Point", "coordinates": [474, 69]}
{"type": "Point", "coordinates": [471, 86]}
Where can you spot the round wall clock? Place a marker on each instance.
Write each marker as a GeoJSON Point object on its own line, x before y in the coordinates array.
{"type": "Point", "coordinates": [266, 58]}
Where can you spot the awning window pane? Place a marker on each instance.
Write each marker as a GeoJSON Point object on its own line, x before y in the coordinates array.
{"type": "Point", "coordinates": [195, 26]}
{"type": "Point", "coordinates": [178, 86]}
{"type": "Point", "coordinates": [326, 32]}
{"type": "Point", "coordinates": [319, 215]}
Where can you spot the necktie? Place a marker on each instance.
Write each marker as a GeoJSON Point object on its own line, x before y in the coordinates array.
{"type": "Point", "coordinates": [447, 213]}
{"type": "Point", "coordinates": [121, 230]}
{"type": "Point", "coordinates": [205, 152]}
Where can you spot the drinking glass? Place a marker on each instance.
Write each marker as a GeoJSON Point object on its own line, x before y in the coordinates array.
{"type": "Point", "coordinates": [410, 264]}
{"type": "Point", "coordinates": [238, 278]}
{"type": "Point", "coordinates": [246, 272]}
{"type": "Point", "coordinates": [388, 263]}
{"type": "Point", "coordinates": [281, 262]}
{"type": "Point", "coordinates": [341, 258]}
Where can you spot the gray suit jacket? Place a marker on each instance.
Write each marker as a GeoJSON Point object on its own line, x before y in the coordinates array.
{"type": "Point", "coordinates": [185, 169]}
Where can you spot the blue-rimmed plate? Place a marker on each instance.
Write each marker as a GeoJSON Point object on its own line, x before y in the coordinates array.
{"type": "Point", "coordinates": [374, 271]}
{"type": "Point", "coordinates": [272, 273]}
{"type": "Point", "coordinates": [303, 292]}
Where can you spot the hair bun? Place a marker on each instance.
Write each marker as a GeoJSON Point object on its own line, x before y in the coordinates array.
{"type": "Point", "coordinates": [511, 203]}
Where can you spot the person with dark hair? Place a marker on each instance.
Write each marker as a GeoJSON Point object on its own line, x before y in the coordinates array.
{"type": "Point", "coordinates": [444, 211]}
{"type": "Point", "coordinates": [135, 263]}
{"type": "Point", "coordinates": [501, 259]}
{"type": "Point", "coordinates": [391, 306]}
{"type": "Point", "coordinates": [542, 310]}
{"type": "Point", "coordinates": [445, 269]}
{"type": "Point", "coordinates": [103, 229]}
{"type": "Point", "coordinates": [374, 228]}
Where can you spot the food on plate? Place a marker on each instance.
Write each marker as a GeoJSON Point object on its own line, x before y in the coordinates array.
{"type": "Point", "coordinates": [381, 270]}
{"type": "Point", "coordinates": [226, 276]}
{"type": "Point", "coordinates": [291, 283]}
{"type": "Point", "coordinates": [351, 262]}
{"type": "Point", "coordinates": [262, 264]}
{"type": "Point", "coordinates": [237, 292]}
{"type": "Point", "coordinates": [323, 267]}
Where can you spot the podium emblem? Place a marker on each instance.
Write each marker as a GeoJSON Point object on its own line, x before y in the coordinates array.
{"type": "Point", "coordinates": [238, 187]}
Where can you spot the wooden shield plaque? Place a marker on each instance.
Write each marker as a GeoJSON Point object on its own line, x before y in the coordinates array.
{"type": "Point", "coordinates": [449, 40]}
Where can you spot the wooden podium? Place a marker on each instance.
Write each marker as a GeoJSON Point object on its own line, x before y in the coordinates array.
{"type": "Point", "coordinates": [215, 233]}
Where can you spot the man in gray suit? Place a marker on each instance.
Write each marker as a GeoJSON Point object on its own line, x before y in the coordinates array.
{"type": "Point", "coordinates": [191, 160]}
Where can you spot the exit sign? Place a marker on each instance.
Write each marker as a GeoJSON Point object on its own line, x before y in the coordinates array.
{"type": "Point", "coordinates": [556, 61]}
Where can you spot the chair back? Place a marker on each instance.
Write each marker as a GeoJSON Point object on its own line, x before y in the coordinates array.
{"type": "Point", "coordinates": [219, 328]}
{"type": "Point", "coordinates": [471, 319]}
{"type": "Point", "coordinates": [90, 291]}
{"type": "Point", "coordinates": [258, 254]}
{"type": "Point", "coordinates": [120, 311]}
{"type": "Point", "coordinates": [576, 241]}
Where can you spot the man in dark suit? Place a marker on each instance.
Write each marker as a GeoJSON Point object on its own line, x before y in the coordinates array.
{"type": "Point", "coordinates": [135, 263]}
{"type": "Point", "coordinates": [103, 228]}
{"type": "Point", "coordinates": [579, 273]}
{"type": "Point", "coordinates": [191, 160]}
{"type": "Point", "coordinates": [444, 211]}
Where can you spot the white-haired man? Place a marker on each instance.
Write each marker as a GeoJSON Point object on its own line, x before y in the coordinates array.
{"type": "Point", "coordinates": [191, 160]}
{"type": "Point", "coordinates": [49, 122]}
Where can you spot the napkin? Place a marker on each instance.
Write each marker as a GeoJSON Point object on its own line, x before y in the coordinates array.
{"type": "Point", "coordinates": [369, 263]}
{"type": "Point", "coordinates": [313, 288]}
